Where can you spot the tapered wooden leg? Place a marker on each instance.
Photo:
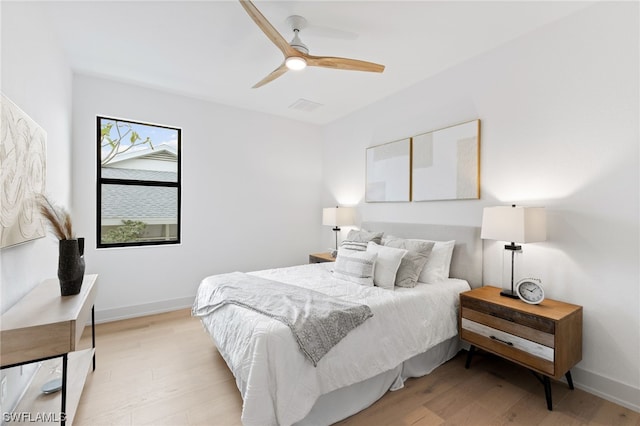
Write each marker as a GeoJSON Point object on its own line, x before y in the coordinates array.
{"type": "Point", "coordinates": [469, 356]}
{"type": "Point", "coordinates": [569, 379]}
{"type": "Point", "coordinates": [547, 392]}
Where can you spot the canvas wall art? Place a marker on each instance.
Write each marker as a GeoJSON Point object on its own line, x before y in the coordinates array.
{"type": "Point", "coordinates": [23, 155]}
{"type": "Point", "coordinates": [446, 163]}
{"type": "Point", "coordinates": [388, 172]}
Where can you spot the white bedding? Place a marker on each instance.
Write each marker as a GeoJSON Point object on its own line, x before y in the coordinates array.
{"type": "Point", "coordinates": [279, 385]}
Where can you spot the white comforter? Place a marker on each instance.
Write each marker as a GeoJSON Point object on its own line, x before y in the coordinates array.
{"type": "Point", "coordinates": [279, 385]}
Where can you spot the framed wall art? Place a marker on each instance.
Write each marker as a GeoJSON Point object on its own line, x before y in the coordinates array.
{"type": "Point", "coordinates": [446, 163]}
{"type": "Point", "coordinates": [23, 155]}
{"type": "Point", "coordinates": [388, 172]}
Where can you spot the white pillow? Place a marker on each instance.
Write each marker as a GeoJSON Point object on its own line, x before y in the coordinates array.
{"type": "Point", "coordinates": [387, 264]}
{"type": "Point", "coordinates": [439, 263]}
{"type": "Point", "coordinates": [355, 266]}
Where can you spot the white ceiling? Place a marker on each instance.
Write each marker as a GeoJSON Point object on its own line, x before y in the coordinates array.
{"type": "Point", "coordinates": [212, 50]}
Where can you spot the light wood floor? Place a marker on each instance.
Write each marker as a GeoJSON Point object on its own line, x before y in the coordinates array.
{"type": "Point", "coordinates": [164, 369]}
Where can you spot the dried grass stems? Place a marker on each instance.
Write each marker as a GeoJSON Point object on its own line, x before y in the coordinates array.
{"type": "Point", "coordinates": [57, 217]}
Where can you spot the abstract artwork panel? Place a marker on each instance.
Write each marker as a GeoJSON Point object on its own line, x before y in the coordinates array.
{"type": "Point", "coordinates": [446, 163]}
{"type": "Point", "coordinates": [23, 152]}
{"type": "Point", "coordinates": [388, 172]}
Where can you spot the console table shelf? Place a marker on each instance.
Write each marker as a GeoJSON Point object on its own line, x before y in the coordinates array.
{"type": "Point", "coordinates": [46, 327]}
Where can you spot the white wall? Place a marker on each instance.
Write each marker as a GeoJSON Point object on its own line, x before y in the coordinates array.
{"type": "Point", "coordinates": [560, 128]}
{"type": "Point", "coordinates": [251, 186]}
{"type": "Point", "coordinates": [37, 78]}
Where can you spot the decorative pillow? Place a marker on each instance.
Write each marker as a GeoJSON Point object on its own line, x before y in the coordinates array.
{"type": "Point", "coordinates": [387, 264]}
{"type": "Point", "coordinates": [363, 236]}
{"type": "Point", "coordinates": [355, 266]}
{"type": "Point", "coordinates": [439, 262]}
{"type": "Point", "coordinates": [354, 245]}
{"type": "Point", "coordinates": [413, 262]}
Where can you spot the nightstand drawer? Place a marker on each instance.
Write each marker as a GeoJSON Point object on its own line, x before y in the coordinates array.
{"type": "Point", "coordinates": [510, 340]}
{"type": "Point", "coordinates": [511, 327]}
{"type": "Point", "coordinates": [537, 322]}
{"type": "Point", "coordinates": [526, 352]}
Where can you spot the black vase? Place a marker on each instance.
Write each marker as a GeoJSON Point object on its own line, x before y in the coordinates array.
{"type": "Point", "coordinates": [71, 266]}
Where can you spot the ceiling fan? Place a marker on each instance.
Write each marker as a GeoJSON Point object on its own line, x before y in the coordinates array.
{"type": "Point", "coordinates": [296, 54]}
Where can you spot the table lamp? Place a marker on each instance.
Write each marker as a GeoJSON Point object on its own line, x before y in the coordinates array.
{"type": "Point", "coordinates": [337, 217]}
{"type": "Point", "coordinates": [514, 224]}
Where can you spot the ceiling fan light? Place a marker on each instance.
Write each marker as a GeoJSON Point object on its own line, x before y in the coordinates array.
{"type": "Point", "coordinates": [295, 63]}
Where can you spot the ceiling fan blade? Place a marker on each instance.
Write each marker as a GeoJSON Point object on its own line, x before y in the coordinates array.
{"type": "Point", "coordinates": [267, 28]}
{"type": "Point", "coordinates": [274, 74]}
{"type": "Point", "coordinates": [343, 63]}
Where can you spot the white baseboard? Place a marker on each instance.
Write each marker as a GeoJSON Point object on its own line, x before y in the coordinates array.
{"type": "Point", "coordinates": [125, 312]}
{"type": "Point", "coordinates": [609, 389]}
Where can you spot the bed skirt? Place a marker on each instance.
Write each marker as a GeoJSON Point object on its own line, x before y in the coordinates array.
{"type": "Point", "coordinates": [344, 402]}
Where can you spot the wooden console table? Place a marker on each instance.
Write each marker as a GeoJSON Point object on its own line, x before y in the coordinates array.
{"type": "Point", "coordinates": [43, 326]}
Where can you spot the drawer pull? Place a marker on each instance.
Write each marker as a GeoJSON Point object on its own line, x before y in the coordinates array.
{"type": "Point", "coordinates": [501, 341]}
{"type": "Point", "coordinates": [493, 314]}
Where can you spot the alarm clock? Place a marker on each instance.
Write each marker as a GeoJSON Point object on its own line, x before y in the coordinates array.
{"type": "Point", "coordinates": [530, 290]}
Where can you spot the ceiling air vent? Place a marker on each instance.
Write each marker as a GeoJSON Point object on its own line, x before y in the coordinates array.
{"type": "Point", "coordinates": [305, 105]}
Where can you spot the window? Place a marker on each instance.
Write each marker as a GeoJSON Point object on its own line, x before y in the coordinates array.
{"type": "Point", "coordinates": [138, 183]}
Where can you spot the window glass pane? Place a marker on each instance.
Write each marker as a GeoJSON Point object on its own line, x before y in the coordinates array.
{"type": "Point", "coordinates": [135, 213]}
{"type": "Point", "coordinates": [138, 151]}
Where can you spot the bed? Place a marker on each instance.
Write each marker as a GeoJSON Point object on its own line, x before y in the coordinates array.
{"type": "Point", "coordinates": [402, 339]}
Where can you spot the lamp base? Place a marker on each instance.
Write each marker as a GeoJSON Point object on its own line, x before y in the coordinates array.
{"type": "Point", "coordinates": [509, 293]}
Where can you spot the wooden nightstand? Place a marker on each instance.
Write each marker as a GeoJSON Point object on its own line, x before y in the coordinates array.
{"type": "Point", "coordinates": [321, 258]}
{"type": "Point", "coordinates": [545, 338]}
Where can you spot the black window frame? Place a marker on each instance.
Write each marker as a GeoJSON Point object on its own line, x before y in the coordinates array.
{"type": "Point", "coordinates": [151, 183]}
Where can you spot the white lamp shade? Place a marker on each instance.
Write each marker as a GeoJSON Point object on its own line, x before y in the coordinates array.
{"type": "Point", "coordinates": [514, 224]}
{"type": "Point", "coordinates": [338, 216]}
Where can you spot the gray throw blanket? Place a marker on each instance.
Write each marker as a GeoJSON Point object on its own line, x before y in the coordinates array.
{"type": "Point", "coordinates": [318, 322]}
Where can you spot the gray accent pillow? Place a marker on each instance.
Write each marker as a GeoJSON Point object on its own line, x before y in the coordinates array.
{"type": "Point", "coordinates": [362, 236]}
{"type": "Point", "coordinates": [355, 266]}
{"type": "Point", "coordinates": [413, 262]}
{"type": "Point", "coordinates": [354, 245]}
